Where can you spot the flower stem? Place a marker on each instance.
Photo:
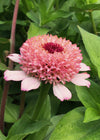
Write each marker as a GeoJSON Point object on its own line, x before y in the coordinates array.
{"type": "Point", "coordinates": [12, 48]}
{"type": "Point", "coordinates": [93, 23]}
{"type": "Point", "coordinates": [42, 96]}
{"type": "Point", "coordinates": [57, 4]}
{"type": "Point", "coordinates": [12, 40]}
{"type": "Point", "coordinates": [3, 102]}
{"type": "Point", "coordinates": [22, 103]}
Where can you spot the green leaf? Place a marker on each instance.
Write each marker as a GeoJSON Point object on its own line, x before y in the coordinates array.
{"type": "Point", "coordinates": [67, 4]}
{"type": "Point", "coordinates": [31, 98]}
{"type": "Point", "coordinates": [42, 12]}
{"type": "Point", "coordinates": [39, 135]}
{"type": "Point", "coordinates": [71, 127]}
{"type": "Point", "coordinates": [86, 8]}
{"type": "Point", "coordinates": [71, 87]}
{"type": "Point", "coordinates": [2, 22]}
{"type": "Point", "coordinates": [3, 67]}
{"type": "Point", "coordinates": [87, 61]}
{"type": "Point", "coordinates": [87, 96]}
{"type": "Point", "coordinates": [91, 114]}
{"type": "Point", "coordinates": [55, 15]}
{"type": "Point", "coordinates": [21, 22]}
{"type": "Point", "coordinates": [4, 3]}
{"type": "Point", "coordinates": [33, 16]}
{"type": "Point", "coordinates": [93, 1]}
{"type": "Point", "coordinates": [11, 113]}
{"type": "Point", "coordinates": [54, 120]}
{"type": "Point", "coordinates": [4, 40]}
{"type": "Point", "coordinates": [46, 132]}
{"type": "Point", "coordinates": [28, 5]}
{"type": "Point", "coordinates": [90, 98]}
{"type": "Point", "coordinates": [35, 30]}
{"type": "Point", "coordinates": [91, 7]}
{"type": "Point", "coordinates": [55, 103]}
{"type": "Point", "coordinates": [92, 45]}
{"type": "Point", "coordinates": [24, 127]}
{"type": "Point", "coordinates": [2, 137]}
{"type": "Point", "coordinates": [4, 45]}
{"type": "Point", "coordinates": [49, 4]}
{"type": "Point", "coordinates": [45, 112]}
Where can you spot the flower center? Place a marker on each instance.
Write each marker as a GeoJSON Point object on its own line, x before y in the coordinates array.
{"type": "Point", "coordinates": [53, 47]}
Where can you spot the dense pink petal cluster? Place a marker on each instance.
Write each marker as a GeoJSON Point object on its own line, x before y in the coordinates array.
{"type": "Point", "coordinates": [50, 59]}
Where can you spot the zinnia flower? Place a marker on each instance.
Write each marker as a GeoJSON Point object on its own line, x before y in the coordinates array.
{"type": "Point", "coordinates": [50, 59]}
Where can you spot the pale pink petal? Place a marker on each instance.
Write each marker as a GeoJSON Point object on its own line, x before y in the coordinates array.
{"type": "Point", "coordinates": [14, 57]}
{"type": "Point", "coordinates": [30, 83]}
{"type": "Point", "coordinates": [80, 79]}
{"type": "Point", "coordinates": [61, 92]}
{"type": "Point", "coordinates": [14, 75]}
{"type": "Point", "coordinates": [84, 67]}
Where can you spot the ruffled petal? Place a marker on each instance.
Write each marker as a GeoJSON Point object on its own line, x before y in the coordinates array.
{"type": "Point", "coordinates": [80, 79]}
{"type": "Point", "coordinates": [14, 75]}
{"type": "Point", "coordinates": [61, 92]}
{"type": "Point", "coordinates": [84, 67]}
{"type": "Point", "coordinates": [14, 57]}
{"type": "Point", "coordinates": [30, 83]}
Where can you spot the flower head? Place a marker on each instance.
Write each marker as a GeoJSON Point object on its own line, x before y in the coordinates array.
{"type": "Point", "coordinates": [50, 59]}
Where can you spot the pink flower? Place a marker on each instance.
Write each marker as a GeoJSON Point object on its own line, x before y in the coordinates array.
{"type": "Point", "coordinates": [50, 59]}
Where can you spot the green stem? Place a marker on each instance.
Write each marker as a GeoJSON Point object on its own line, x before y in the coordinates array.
{"type": "Point", "coordinates": [42, 96]}
{"type": "Point", "coordinates": [57, 4]}
{"type": "Point", "coordinates": [93, 23]}
{"type": "Point", "coordinates": [22, 103]}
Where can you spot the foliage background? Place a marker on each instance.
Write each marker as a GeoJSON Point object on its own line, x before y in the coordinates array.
{"type": "Point", "coordinates": [78, 21]}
